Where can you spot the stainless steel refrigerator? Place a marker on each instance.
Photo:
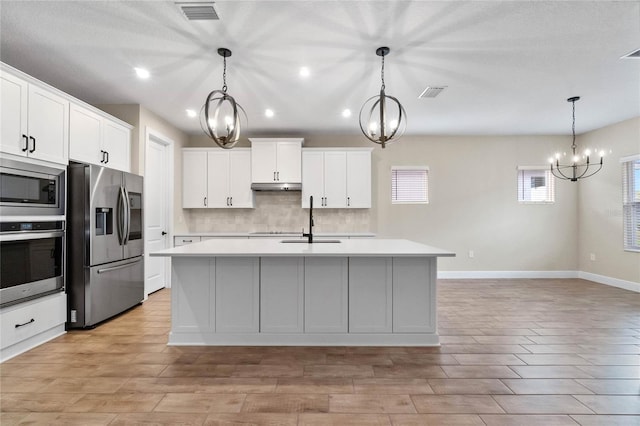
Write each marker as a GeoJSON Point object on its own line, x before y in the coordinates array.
{"type": "Point", "coordinates": [105, 262]}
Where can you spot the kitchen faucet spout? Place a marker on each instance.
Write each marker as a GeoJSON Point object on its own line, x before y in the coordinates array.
{"type": "Point", "coordinates": [310, 234]}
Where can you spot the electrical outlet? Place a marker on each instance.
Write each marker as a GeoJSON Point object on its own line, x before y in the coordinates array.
{"type": "Point", "coordinates": [471, 254]}
{"type": "Point", "coordinates": [592, 256]}
{"type": "Point", "coordinates": [74, 315]}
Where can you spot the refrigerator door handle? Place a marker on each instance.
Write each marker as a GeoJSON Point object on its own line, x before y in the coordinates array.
{"type": "Point", "coordinates": [120, 216]}
{"type": "Point", "coordinates": [114, 268]}
{"type": "Point", "coordinates": [127, 215]}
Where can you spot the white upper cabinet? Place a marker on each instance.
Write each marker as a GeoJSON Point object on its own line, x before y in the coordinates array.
{"type": "Point", "coordinates": [276, 160]}
{"type": "Point", "coordinates": [216, 178]}
{"type": "Point", "coordinates": [194, 179]}
{"type": "Point", "coordinates": [359, 179]}
{"type": "Point", "coordinates": [336, 178]}
{"type": "Point", "coordinates": [34, 120]}
{"type": "Point", "coordinates": [95, 139]}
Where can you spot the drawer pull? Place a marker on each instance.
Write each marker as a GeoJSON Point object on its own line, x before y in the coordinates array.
{"type": "Point", "coordinates": [26, 323]}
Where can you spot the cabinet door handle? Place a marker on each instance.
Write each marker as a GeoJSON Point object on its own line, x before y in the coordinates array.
{"type": "Point", "coordinates": [278, 176]}
{"type": "Point", "coordinates": [107, 152]}
{"type": "Point", "coordinates": [102, 158]}
{"type": "Point", "coordinates": [34, 143]}
{"type": "Point", "coordinates": [163, 233]}
{"type": "Point", "coordinates": [205, 201]}
{"type": "Point", "coordinates": [231, 201]}
{"type": "Point", "coordinates": [274, 176]}
{"type": "Point", "coordinates": [26, 143]}
{"type": "Point", "coordinates": [25, 323]}
{"type": "Point", "coordinates": [187, 241]}
{"type": "Point", "coordinates": [348, 201]}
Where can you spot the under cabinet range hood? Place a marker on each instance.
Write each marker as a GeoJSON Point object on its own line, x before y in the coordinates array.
{"type": "Point", "coordinates": [276, 186]}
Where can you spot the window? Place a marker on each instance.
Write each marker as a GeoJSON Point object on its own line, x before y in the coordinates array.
{"type": "Point", "coordinates": [631, 202]}
{"type": "Point", "coordinates": [409, 185]}
{"type": "Point", "coordinates": [535, 185]}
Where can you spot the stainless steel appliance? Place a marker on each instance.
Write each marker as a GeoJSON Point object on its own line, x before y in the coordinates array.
{"type": "Point", "coordinates": [31, 260]}
{"type": "Point", "coordinates": [105, 268]}
{"type": "Point", "coordinates": [30, 190]}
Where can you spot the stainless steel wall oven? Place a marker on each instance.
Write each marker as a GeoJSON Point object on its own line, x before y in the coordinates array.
{"type": "Point", "coordinates": [31, 260]}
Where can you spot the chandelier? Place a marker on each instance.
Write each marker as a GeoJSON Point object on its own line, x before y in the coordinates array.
{"type": "Point", "coordinates": [220, 115]}
{"type": "Point", "coordinates": [382, 117]}
{"type": "Point", "coordinates": [579, 166]}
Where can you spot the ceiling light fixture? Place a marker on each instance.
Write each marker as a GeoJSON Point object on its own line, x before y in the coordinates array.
{"type": "Point", "coordinates": [191, 113]}
{"type": "Point", "coordinates": [382, 123]}
{"type": "Point", "coordinates": [220, 114]}
{"type": "Point", "coordinates": [269, 112]}
{"type": "Point", "coordinates": [304, 72]}
{"type": "Point", "coordinates": [346, 113]}
{"type": "Point", "coordinates": [578, 169]}
{"type": "Point", "coordinates": [142, 73]}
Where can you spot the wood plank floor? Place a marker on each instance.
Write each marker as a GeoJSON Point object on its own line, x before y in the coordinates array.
{"type": "Point", "coordinates": [514, 352]}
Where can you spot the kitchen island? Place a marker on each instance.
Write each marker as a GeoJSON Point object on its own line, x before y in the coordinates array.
{"type": "Point", "coordinates": [378, 292]}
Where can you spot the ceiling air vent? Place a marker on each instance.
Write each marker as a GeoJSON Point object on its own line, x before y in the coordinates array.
{"type": "Point", "coordinates": [431, 91]}
{"type": "Point", "coordinates": [198, 11]}
{"type": "Point", "coordinates": [632, 55]}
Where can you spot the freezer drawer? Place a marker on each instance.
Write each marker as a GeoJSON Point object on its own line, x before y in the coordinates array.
{"type": "Point", "coordinates": [109, 290]}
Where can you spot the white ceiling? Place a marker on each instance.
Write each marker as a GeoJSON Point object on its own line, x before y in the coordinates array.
{"type": "Point", "coordinates": [509, 66]}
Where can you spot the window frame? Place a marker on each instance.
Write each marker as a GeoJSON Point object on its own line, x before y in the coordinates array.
{"type": "Point", "coordinates": [549, 179]}
{"type": "Point", "coordinates": [629, 204]}
{"type": "Point", "coordinates": [416, 168]}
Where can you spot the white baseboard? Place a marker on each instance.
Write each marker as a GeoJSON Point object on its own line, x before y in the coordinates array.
{"type": "Point", "coordinates": [600, 279]}
{"type": "Point", "coordinates": [448, 275]}
{"type": "Point", "coordinates": [614, 282]}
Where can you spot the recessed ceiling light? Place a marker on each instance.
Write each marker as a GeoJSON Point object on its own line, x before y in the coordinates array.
{"type": "Point", "coordinates": [191, 113]}
{"type": "Point", "coordinates": [346, 113]}
{"type": "Point", "coordinates": [142, 73]}
{"type": "Point", "coordinates": [269, 112]}
{"type": "Point", "coordinates": [304, 72]}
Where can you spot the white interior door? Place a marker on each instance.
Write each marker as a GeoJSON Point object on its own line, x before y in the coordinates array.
{"type": "Point", "coordinates": [158, 170]}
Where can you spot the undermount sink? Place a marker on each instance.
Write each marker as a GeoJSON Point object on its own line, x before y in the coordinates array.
{"type": "Point", "coordinates": [307, 241]}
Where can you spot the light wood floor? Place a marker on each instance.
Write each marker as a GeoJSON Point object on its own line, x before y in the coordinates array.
{"type": "Point", "coordinates": [514, 352]}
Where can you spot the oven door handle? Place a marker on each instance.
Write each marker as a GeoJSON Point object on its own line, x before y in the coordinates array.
{"type": "Point", "coordinates": [21, 236]}
{"type": "Point", "coordinates": [115, 268]}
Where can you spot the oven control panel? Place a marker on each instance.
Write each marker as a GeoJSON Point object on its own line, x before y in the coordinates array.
{"type": "Point", "coordinates": [31, 226]}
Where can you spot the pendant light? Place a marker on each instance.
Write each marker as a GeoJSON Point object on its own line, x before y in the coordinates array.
{"type": "Point", "coordinates": [579, 167]}
{"type": "Point", "coordinates": [220, 116]}
{"type": "Point", "coordinates": [382, 117]}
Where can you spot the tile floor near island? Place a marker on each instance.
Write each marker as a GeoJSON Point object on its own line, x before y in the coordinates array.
{"type": "Point", "coordinates": [514, 352]}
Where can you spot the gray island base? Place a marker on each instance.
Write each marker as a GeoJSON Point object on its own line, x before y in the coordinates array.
{"type": "Point", "coordinates": [379, 292]}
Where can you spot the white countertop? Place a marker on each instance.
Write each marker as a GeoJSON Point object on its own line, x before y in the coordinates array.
{"type": "Point", "coordinates": [264, 247]}
{"type": "Point", "coordinates": [272, 235]}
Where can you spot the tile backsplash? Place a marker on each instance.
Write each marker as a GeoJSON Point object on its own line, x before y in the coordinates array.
{"type": "Point", "coordinates": [277, 211]}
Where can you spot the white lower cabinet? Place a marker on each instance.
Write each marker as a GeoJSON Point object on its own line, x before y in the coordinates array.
{"type": "Point", "coordinates": [29, 324]}
{"type": "Point", "coordinates": [412, 297]}
{"type": "Point", "coordinates": [237, 283]}
{"type": "Point", "coordinates": [191, 300]}
{"type": "Point", "coordinates": [370, 295]}
{"type": "Point", "coordinates": [326, 282]}
{"type": "Point", "coordinates": [281, 295]}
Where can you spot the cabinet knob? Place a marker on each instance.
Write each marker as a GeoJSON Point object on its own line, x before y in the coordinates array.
{"type": "Point", "coordinates": [163, 233]}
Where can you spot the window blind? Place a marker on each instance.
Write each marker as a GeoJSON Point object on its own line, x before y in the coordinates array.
{"type": "Point", "coordinates": [409, 185]}
{"type": "Point", "coordinates": [631, 203]}
{"type": "Point", "coordinates": [535, 185]}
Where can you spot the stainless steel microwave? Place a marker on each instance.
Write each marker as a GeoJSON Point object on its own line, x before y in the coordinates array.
{"type": "Point", "coordinates": [30, 189]}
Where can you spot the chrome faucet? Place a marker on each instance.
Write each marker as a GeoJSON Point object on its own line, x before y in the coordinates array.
{"type": "Point", "coordinates": [310, 234]}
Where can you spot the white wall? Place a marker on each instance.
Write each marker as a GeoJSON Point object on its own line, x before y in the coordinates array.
{"type": "Point", "coordinates": [600, 205]}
